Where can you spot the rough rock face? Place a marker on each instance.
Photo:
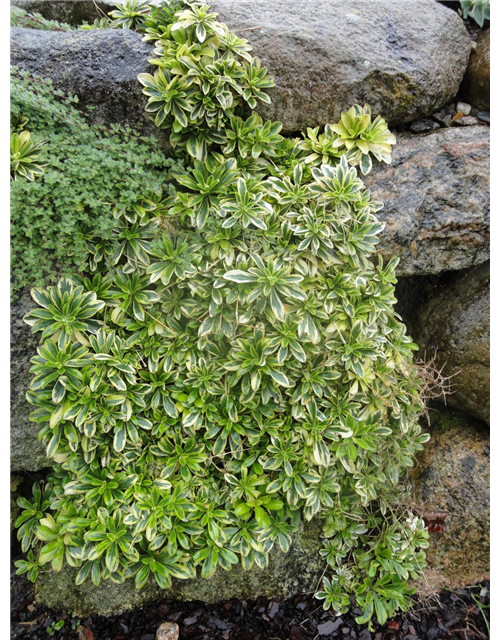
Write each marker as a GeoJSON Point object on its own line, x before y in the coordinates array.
{"type": "Point", "coordinates": [15, 511]}
{"type": "Point", "coordinates": [436, 200]}
{"type": "Point", "coordinates": [100, 67]}
{"type": "Point", "coordinates": [406, 59]}
{"type": "Point", "coordinates": [456, 322]}
{"type": "Point", "coordinates": [74, 12]}
{"type": "Point", "coordinates": [453, 475]}
{"type": "Point", "coordinates": [26, 452]}
{"type": "Point", "coordinates": [287, 574]}
{"type": "Point", "coordinates": [476, 84]}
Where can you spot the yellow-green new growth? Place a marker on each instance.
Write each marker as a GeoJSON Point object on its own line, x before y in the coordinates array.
{"type": "Point", "coordinates": [24, 156]}
{"type": "Point", "coordinates": [354, 135]}
{"type": "Point", "coordinates": [360, 137]}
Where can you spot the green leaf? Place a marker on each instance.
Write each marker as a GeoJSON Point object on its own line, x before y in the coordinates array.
{"type": "Point", "coordinates": [280, 378]}
{"type": "Point", "coordinates": [367, 614]}
{"type": "Point", "coordinates": [239, 276]}
{"type": "Point", "coordinates": [120, 438]}
{"type": "Point", "coordinates": [380, 611]}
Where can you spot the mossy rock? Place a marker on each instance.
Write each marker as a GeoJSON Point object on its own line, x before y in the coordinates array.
{"type": "Point", "coordinates": [290, 573]}
{"type": "Point", "coordinates": [455, 325]}
{"type": "Point", "coordinates": [14, 511]}
{"type": "Point", "coordinates": [452, 475]}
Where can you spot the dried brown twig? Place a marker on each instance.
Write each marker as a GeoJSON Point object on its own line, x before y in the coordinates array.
{"type": "Point", "coordinates": [435, 383]}
{"type": "Point", "coordinates": [105, 15]}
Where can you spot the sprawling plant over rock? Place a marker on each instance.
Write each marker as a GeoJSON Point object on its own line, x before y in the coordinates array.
{"type": "Point", "coordinates": [236, 364]}
{"type": "Point", "coordinates": [205, 74]}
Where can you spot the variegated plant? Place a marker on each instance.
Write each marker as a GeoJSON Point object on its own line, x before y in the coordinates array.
{"type": "Point", "coordinates": [240, 367]}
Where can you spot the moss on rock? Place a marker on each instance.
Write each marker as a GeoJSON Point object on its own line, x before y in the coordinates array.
{"type": "Point", "coordinates": [290, 573]}
{"type": "Point", "coordinates": [452, 474]}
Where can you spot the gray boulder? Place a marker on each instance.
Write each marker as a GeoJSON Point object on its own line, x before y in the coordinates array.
{"type": "Point", "coordinates": [455, 324]}
{"type": "Point", "coordinates": [452, 475]}
{"type": "Point", "coordinates": [26, 452]}
{"type": "Point", "coordinates": [100, 67]}
{"type": "Point", "coordinates": [436, 200]}
{"type": "Point", "coordinates": [405, 59]}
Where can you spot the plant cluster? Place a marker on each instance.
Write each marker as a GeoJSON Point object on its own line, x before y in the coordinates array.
{"type": "Point", "coordinates": [231, 364]}
{"type": "Point", "coordinates": [92, 173]}
{"type": "Point", "coordinates": [478, 10]}
{"type": "Point", "coordinates": [206, 79]}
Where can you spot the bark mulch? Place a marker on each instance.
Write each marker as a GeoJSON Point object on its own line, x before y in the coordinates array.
{"type": "Point", "coordinates": [459, 615]}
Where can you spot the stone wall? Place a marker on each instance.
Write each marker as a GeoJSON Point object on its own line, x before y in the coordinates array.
{"type": "Point", "coordinates": [409, 61]}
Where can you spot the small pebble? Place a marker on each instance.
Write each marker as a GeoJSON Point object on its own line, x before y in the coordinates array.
{"type": "Point", "coordinates": [329, 627]}
{"type": "Point", "coordinates": [422, 126]}
{"type": "Point", "coordinates": [466, 121]}
{"type": "Point", "coordinates": [84, 634]}
{"type": "Point", "coordinates": [365, 635]}
{"type": "Point", "coordinates": [482, 116]}
{"type": "Point", "coordinates": [442, 117]}
{"type": "Point", "coordinates": [464, 108]}
{"type": "Point", "coordinates": [221, 624]}
{"type": "Point", "coordinates": [167, 631]}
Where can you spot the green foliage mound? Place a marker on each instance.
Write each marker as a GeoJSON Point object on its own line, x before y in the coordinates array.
{"type": "Point", "coordinates": [91, 173]}
{"type": "Point", "coordinates": [21, 18]}
{"type": "Point", "coordinates": [239, 367]}
{"type": "Point", "coordinates": [478, 10]}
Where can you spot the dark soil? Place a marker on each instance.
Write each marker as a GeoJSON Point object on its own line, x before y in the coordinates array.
{"type": "Point", "coordinates": [453, 615]}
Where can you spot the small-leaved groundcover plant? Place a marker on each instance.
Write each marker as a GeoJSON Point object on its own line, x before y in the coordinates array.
{"type": "Point", "coordinates": [231, 364]}
{"type": "Point", "coordinates": [82, 174]}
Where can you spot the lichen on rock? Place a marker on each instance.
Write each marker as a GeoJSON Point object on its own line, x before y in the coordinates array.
{"type": "Point", "coordinates": [452, 474]}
